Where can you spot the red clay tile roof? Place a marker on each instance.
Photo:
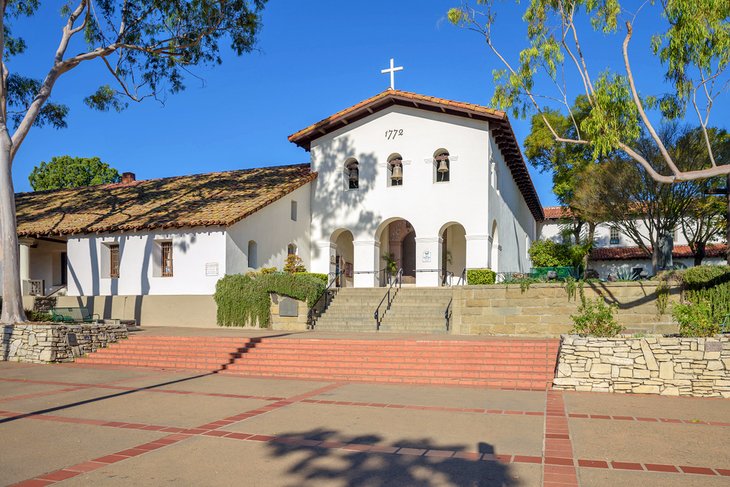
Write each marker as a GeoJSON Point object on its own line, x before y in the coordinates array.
{"type": "Point", "coordinates": [213, 199]}
{"type": "Point", "coordinates": [635, 253]}
{"type": "Point", "coordinates": [556, 212]}
{"type": "Point", "coordinates": [499, 124]}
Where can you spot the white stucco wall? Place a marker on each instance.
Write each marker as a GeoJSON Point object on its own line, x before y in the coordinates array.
{"type": "Point", "coordinates": [273, 230]}
{"type": "Point", "coordinates": [515, 223]}
{"type": "Point", "coordinates": [551, 229]}
{"type": "Point", "coordinates": [429, 206]}
{"type": "Point", "coordinates": [196, 253]}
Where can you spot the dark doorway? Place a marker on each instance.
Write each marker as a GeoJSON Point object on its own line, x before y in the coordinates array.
{"type": "Point", "coordinates": [64, 268]}
{"type": "Point", "coordinates": [409, 254]}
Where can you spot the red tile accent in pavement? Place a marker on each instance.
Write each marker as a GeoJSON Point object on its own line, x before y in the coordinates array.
{"type": "Point", "coordinates": [592, 463]}
{"type": "Point", "coordinates": [723, 471]}
{"type": "Point", "coordinates": [33, 483]}
{"type": "Point", "coordinates": [654, 467]}
{"type": "Point", "coordinates": [697, 470]}
{"type": "Point", "coordinates": [74, 386]}
{"type": "Point", "coordinates": [59, 475]}
{"type": "Point", "coordinates": [423, 408]}
{"type": "Point", "coordinates": [558, 463]}
{"type": "Point", "coordinates": [648, 420]}
{"type": "Point", "coordinates": [626, 466]}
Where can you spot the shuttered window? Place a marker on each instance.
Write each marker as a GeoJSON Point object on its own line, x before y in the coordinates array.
{"type": "Point", "coordinates": [166, 248]}
{"type": "Point", "coordinates": [114, 261]}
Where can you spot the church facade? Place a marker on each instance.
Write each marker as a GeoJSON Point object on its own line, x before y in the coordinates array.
{"type": "Point", "coordinates": [422, 184]}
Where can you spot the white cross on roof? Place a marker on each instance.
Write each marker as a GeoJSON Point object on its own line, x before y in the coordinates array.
{"type": "Point", "coordinates": [392, 71]}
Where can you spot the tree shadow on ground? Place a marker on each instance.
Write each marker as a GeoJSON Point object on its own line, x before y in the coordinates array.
{"type": "Point", "coordinates": [316, 464]}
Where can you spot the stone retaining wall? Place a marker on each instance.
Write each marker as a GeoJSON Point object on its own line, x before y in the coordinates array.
{"type": "Point", "coordinates": [45, 343]}
{"type": "Point", "coordinates": [670, 366]}
{"type": "Point", "coordinates": [544, 309]}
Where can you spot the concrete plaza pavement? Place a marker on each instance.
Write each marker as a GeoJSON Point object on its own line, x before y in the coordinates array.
{"type": "Point", "coordinates": [93, 425]}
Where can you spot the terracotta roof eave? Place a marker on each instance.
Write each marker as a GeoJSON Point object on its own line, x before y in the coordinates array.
{"type": "Point", "coordinates": [386, 98]}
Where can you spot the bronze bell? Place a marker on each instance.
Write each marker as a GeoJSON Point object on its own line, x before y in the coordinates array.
{"type": "Point", "coordinates": [354, 173]}
{"type": "Point", "coordinates": [397, 172]}
{"type": "Point", "coordinates": [443, 166]}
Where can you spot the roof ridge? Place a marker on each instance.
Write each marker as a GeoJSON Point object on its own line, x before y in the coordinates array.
{"type": "Point", "coordinates": [164, 178]}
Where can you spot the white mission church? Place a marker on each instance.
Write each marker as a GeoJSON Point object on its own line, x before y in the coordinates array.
{"type": "Point", "coordinates": [439, 185]}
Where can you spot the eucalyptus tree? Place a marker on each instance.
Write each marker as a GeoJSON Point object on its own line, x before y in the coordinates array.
{"type": "Point", "coordinates": [144, 47]}
{"type": "Point", "coordinates": [691, 40]}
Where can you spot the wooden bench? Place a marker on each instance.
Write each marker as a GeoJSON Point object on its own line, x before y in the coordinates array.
{"type": "Point", "coordinates": [73, 315]}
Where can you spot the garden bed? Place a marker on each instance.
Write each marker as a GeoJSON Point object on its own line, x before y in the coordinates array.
{"type": "Point", "coordinates": [653, 364]}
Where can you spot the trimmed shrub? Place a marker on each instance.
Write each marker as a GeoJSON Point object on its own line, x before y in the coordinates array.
{"type": "Point", "coordinates": [294, 264]}
{"type": "Point", "coordinates": [244, 299]}
{"type": "Point", "coordinates": [596, 318]}
{"type": "Point", "coordinates": [480, 276]}
{"type": "Point", "coordinates": [322, 277]}
{"type": "Point", "coordinates": [546, 253]}
{"type": "Point", "coordinates": [695, 319]}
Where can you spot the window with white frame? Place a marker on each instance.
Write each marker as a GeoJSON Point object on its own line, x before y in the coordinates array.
{"type": "Point", "coordinates": [614, 236]}
{"type": "Point", "coordinates": [114, 261]}
{"type": "Point", "coordinates": [163, 258]}
{"type": "Point", "coordinates": [110, 258]}
{"type": "Point", "coordinates": [166, 258]}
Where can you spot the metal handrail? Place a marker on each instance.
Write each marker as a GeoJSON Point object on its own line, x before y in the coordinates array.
{"type": "Point", "coordinates": [448, 313]}
{"type": "Point", "coordinates": [446, 279]}
{"type": "Point", "coordinates": [462, 278]}
{"type": "Point", "coordinates": [312, 313]}
{"type": "Point", "coordinates": [377, 315]}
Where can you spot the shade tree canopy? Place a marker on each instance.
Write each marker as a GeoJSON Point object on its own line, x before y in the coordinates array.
{"type": "Point", "coordinates": [71, 172]}
{"type": "Point", "coordinates": [145, 48]}
{"type": "Point", "coordinates": [690, 39]}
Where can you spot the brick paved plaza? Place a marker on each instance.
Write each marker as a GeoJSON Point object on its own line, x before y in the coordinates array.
{"type": "Point", "coordinates": [96, 425]}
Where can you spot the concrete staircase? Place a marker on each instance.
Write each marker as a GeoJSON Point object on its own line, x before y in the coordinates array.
{"type": "Point", "coordinates": [506, 363]}
{"type": "Point", "coordinates": [414, 310]}
{"type": "Point", "coordinates": [351, 310]}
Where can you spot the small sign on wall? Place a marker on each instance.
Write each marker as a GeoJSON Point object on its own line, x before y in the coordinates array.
{"type": "Point", "coordinates": [426, 256]}
{"type": "Point", "coordinates": [211, 269]}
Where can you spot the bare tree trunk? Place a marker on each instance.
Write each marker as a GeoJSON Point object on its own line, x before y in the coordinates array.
{"type": "Point", "coordinates": [699, 253]}
{"type": "Point", "coordinates": [727, 216]}
{"type": "Point", "coordinates": [589, 241]}
{"type": "Point", "coordinates": [12, 293]}
{"type": "Point", "coordinates": [656, 258]}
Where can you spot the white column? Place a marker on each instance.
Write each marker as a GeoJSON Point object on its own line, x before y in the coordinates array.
{"type": "Point", "coordinates": [477, 251]}
{"type": "Point", "coordinates": [428, 261]}
{"type": "Point", "coordinates": [366, 258]}
{"type": "Point", "coordinates": [323, 257]}
{"type": "Point", "coordinates": [24, 265]}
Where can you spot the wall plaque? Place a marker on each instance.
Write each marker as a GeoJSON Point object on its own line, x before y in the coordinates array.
{"type": "Point", "coordinates": [288, 307]}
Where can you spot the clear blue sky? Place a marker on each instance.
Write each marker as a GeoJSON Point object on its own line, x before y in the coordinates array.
{"type": "Point", "coordinates": [314, 59]}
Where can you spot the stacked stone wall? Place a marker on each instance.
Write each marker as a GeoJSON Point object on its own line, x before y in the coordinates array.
{"type": "Point", "coordinates": [545, 309]}
{"type": "Point", "coordinates": [47, 343]}
{"type": "Point", "coordinates": [671, 366]}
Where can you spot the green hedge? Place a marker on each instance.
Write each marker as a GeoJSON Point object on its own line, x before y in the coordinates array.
{"type": "Point", "coordinates": [322, 277]}
{"type": "Point", "coordinates": [244, 299]}
{"type": "Point", "coordinates": [480, 276]}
